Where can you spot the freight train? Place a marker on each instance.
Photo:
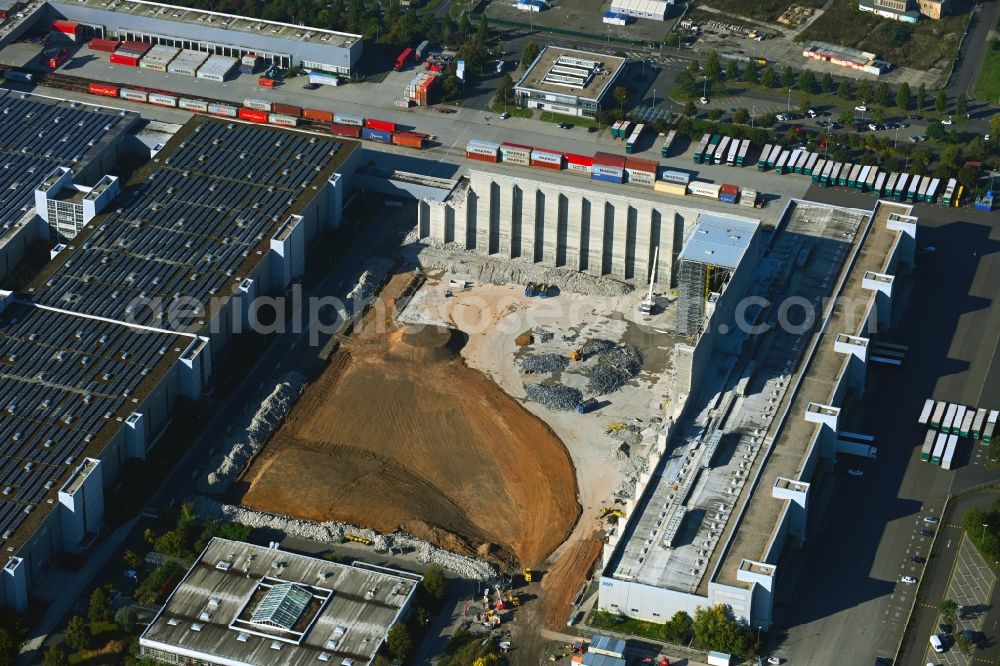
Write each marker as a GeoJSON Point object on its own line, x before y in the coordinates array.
{"type": "Point", "coordinates": [273, 113]}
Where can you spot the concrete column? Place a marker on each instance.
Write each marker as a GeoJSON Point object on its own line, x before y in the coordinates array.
{"type": "Point", "coordinates": [15, 583]}
{"type": "Point", "coordinates": [762, 604]}
{"type": "Point", "coordinates": [506, 219]}
{"type": "Point", "coordinates": [620, 237]}
{"type": "Point", "coordinates": [135, 436]}
{"type": "Point", "coordinates": [666, 245]}
{"type": "Point", "coordinates": [643, 240]}
{"type": "Point", "coordinates": [827, 416]}
{"type": "Point", "coordinates": [484, 216]}
{"type": "Point", "coordinates": [797, 493]}
{"type": "Point", "coordinates": [857, 348]}
{"type": "Point", "coordinates": [574, 213]}
{"type": "Point", "coordinates": [529, 204]}
{"type": "Point", "coordinates": [550, 232]}
{"type": "Point", "coordinates": [881, 284]}
{"type": "Point", "coordinates": [595, 254]}
{"type": "Point", "coordinates": [907, 226]}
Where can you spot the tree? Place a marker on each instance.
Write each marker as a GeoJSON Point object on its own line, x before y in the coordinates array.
{"type": "Point", "coordinates": [732, 70]}
{"type": "Point", "coordinates": [807, 81]}
{"type": "Point", "coordinates": [690, 109]}
{"type": "Point", "coordinates": [750, 72]}
{"type": "Point", "coordinates": [678, 628]}
{"type": "Point", "coordinates": [903, 96]}
{"type": "Point", "coordinates": [941, 102]}
{"type": "Point", "coordinates": [967, 177]}
{"type": "Point", "coordinates": [961, 104]}
{"type": "Point", "coordinates": [55, 656]}
{"type": "Point", "coordinates": [741, 117]}
{"type": "Point", "coordinates": [921, 97]}
{"type": "Point", "coordinates": [672, 40]}
{"type": "Point", "coordinates": [100, 606]}
{"type": "Point", "coordinates": [528, 54]}
{"type": "Point", "coordinates": [826, 83]}
{"type": "Point", "coordinates": [963, 643]}
{"type": "Point", "coordinates": [882, 94]}
{"type": "Point", "coordinates": [865, 90]}
{"type": "Point", "coordinates": [715, 628]}
{"type": "Point", "coordinates": [10, 646]}
{"type": "Point", "coordinates": [768, 77]}
{"type": "Point", "coordinates": [685, 83]}
{"type": "Point", "coordinates": [130, 559]}
{"type": "Point", "coordinates": [804, 105]}
{"type": "Point", "coordinates": [621, 96]}
{"type": "Point", "coordinates": [125, 618]}
{"type": "Point", "coordinates": [714, 114]}
{"type": "Point", "coordinates": [846, 117]}
{"type": "Point", "coordinates": [435, 584]}
{"type": "Point", "coordinates": [464, 25]}
{"type": "Point", "coordinates": [787, 77]}
{"type": "Point", "coordinates": [878, 115]}
{"type": "Point", "coordinates": [172, 544]}
{"type": "Point", "coordinates": [482, 30]}
{"type": "Point", "coordinates": [995, 131]}
{"type": "Point", "coordinates": [505, 91]}
{"type": "Point", "coordinates": [400, 642]}
{"type": "Point", "coordinates": [845, 90]}
{"type": "Point", "coordinates": [936, 132]}
{"type": "Point", "coordinates": [712, 67]}
{"type": "Point", "coordinates": [948, 608]}
{"type": "Point", "coordinates": [77, 633]}
{"type": "Point", "coordinates": [149, 536]}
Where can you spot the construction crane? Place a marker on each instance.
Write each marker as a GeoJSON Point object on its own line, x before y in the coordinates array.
{"type": "Point", "coordinates": [646, 304]}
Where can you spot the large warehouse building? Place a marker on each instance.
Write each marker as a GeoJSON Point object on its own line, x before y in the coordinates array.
{"type": "Point", "coordinates": [210, 32]}
{"type": "Point", "coordinates": [130, 315]}
{"type": "Point", "coordinates": [730, 487]}
{"type": "Point", "coordinates": [601, 230]}
{"type": "Point", "coordinates": [245, 604]}
{"type": "Point", "coordinates": [567, 81]}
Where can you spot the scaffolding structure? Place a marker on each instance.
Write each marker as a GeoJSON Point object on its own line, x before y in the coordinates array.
{"type": "Point", "coordinates": [696, 282]}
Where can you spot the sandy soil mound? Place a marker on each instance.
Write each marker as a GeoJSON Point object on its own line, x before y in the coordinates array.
{"type": "Point", "coordinates": [399, 434]}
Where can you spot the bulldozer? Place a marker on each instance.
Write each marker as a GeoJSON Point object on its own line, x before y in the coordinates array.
{"type": "Point", "coordinates": [527, 575]}
{"type": "Point", "coordinates": [611, 511]}
{"type": "Point", "coordinates": [492, 618]}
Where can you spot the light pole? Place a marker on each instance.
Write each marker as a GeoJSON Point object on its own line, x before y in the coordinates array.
{"type": "Point", "coordinates": [984, 533]}
{"type": "Point", "coordinates": [753, 111]}
{"type": "Point", "coordinates": [896, 138]}
{"type": "Point", "coordinates": [788, 105]}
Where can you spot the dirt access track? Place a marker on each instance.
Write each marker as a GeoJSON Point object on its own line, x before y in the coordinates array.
{"type": "Point", "coordinates": [398, 434]}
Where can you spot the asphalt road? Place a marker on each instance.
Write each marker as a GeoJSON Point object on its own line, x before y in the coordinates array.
{"type": "Point", "coordinates": [849, 605]}
{"type": "Point", "coordinates": [970, 58]}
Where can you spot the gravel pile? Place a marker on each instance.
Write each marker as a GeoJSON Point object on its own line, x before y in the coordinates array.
{"type": "Point", "coordinates": [614, 368]}
{"type": "Point", "coordinates": [240, 448]}
{"type": "Point", "coordinates": [597, 346]}
{"type": "Point", "coordinates": [625, 488]}
{"type": "Point", "coordinates": [556, 397]}
{"type": "Point", "coordinates": [544, 363]}
{"type": "Point", "coordinates": [333, 533]}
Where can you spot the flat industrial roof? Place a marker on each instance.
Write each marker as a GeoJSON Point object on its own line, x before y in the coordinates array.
{"type": "Point", "coordinates": [719, 240]}
{"type": "Point", "coordinates": [534, 77]}
{"type": "Point", "coordinates": [157, 10]}
{"type": "Point", "coordinates": [335, 611]}
{"type": "Point", "coordinates": [191, 224]}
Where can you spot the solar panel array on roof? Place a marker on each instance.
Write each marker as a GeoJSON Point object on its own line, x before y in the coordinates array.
{"type": "Point", "coordinates": [209, 203]}
{"type": "Point", "coordinates": [38, 135]}
{"type": "Point", "coordinates": [62, 379]}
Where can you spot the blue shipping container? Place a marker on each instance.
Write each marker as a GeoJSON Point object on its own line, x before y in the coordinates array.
{"type": "Point", "coordinates": [609, 177]}
{"type": "Point", "coordinates": [727, 198]}
{"type": "Point", "coordinates": [246, 69]}
{"type": "Point", "coordinates": [381, 136]}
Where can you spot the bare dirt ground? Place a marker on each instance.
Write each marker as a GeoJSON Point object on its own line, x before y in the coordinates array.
{"type": "Point", "coordinates": [397, 433]}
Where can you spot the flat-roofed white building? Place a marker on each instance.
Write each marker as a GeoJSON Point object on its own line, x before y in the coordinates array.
{"type": "Point", "coordinates": [567, 81]}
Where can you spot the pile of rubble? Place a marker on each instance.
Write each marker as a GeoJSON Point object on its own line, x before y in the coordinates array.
{"type": "Point", "coordinates": [557, 397]}
{"type": "Point", "coordinates": [596, 346]}
{"type": "Point", "coordinates": [240, 448]}
{"type": "Point", "coordinates": [544, 363]}
{"type": "Point", "coordinates": [368, 284]}
{"type": "Point", "coordinates": [333, 533]}
{"type": "Point", "coordinates": [625, 488]}
{"type": "Point", "coordinates": [614, 368]}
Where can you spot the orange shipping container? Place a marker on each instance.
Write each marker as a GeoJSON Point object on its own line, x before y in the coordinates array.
{"type": "Point", "coordinates": [408, 140]}
{"type": "Point", "coordinates": [265, 82]}
{"type": "Point", "coordinates": [317, 114]}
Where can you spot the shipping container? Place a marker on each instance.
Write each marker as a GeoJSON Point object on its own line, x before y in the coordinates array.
{"type": "Point", "coordinates": [579, 163]}
{"type": "Point", "coordinates": [720, 149]}
{"type": "Point", "coordinates": [991, 422]}
{"type": "Point", "coordinates": [71, 29]}
{"type": "Point", "coordinates": [817, 171]}
{"type": "Point", "coordinates": [259, 104]}
{"type": "Point", "coordinates": [348, 120]}
{"type": "Point", "coordinates": [126, 59]}
{"type": "Point", "coordinates": [609, 159]}
{"type": "Point", "coordinates": [264, 82]}
{"type": "Point", "coordinates": [324, 78]}
{"type": "Point", "coordinates": [811, 164]}
{"type": "Point", "coordinates": [481, 157]}
{"type": "Point", "coordinates": [516, 154]}
{"type": "Point", "coordinates": [282, 119]}
{"type": "Point", "coordinates": [253, 115]}
{"type": "Point", "coordinates": [318, 114]}
{"type": "Point", "coordinates": [948, 460]}
{"type": "Point", "coordinates": [402, 59]}
{"type": "Point", "coordinates": [162, 100]}
{"type": "Point", "coordinates": [741, 156]}
{"type": "Point", "coordinates": [862, 178]}
{"type": "Point", "coordinates": [748, 198]}
{"type": "Point", "coordinates": [925, 413]}
{"type": "Point", "coordinates": [734, 150]}
{"type": "Point", "coordinates": [287, 109]}
{"type": "Point", "coordinates": [633, 138]}
{"type": "Point", "coordinates": [380, 125]}
{"type": "Point", "coordinates": [227, 110]}
{"type": "Point", "coordinates": [977, 423]}
{"type": "Point", "coordinates": [341, 129]}
{"type": "Point", "coordinates": [640, 176]}
{"type": "Point", "coordinates": [762, 164]}
{"type": "Point", "coordinates": [483, 148]}
{"type": "Point", "coordinates": [911, 194]}
{"type": "Point", "coordinates": [938, 414]}
{"type": "Point", "coordinates": [408, 139]}
{"type": "Point", "coordinates": [922, 191]}
{"type": "Point", "coordinates": [699, 152]}
{"type": "Point", "coordinates": [781, 163]}
{"type": "Point", "coordinates": [949, 416]}
{"type": "Point", "coordinates": [900, 185]}
{"type": "Point", "coordinates": [133, 95]}
{"type": "Point", "coordinates": [421, 50]}
{"type": "Point", "coordinates": [102, 89]}
{"type": "Point", "coordinates": [18, 75]}
{"type": "Point", "coordinates": [940, 443]}
{"type": "Point", "coordinates": [667, 143]}
{"type": "Point", "coordinates": [216, 68]}
{"type": "Point", "coordinates": [609, 175]}
{"type": "Point", "coordinates": [547, 159]}
{"type": "Point", "coordinates": [956, 424]}
{"type": "Point", "coordinates": [890, 182]}
{"type": "Point", "coordinates": [966, 428]}
{"type": "Point", "coordinates": [192, 104]}
{"type": "Point", "coordinates": [700, 188]}
{"type": "Point", "coordinates": [880, 183]}
{"type": "Point", "coordinates": [159, 57]}
{"type": "Point", "coordinates": [932, 190]}
{"type": "Point", "coordinates": [187, 62]}
{"type": "Point", "coordinates": [869, 181]}
{"type": "Point", "coordinates": [135, 47]}
{"type": "Point", "coordinates": [105, 45]}
{"type": "Point", "coordinates": [928, 447]}
{"type": "Point", "coordinates": [679, 177]}
{"type": "Point", "coordinates": [675, 189]}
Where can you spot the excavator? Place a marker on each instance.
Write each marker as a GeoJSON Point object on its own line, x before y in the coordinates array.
{"type": "Point", "coordinates": [611, 511]}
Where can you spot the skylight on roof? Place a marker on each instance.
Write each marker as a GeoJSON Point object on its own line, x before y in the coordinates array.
{"type": "Point", "coordinates": [282, 606]}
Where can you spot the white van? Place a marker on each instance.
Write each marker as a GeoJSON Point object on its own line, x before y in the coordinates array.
{"type": "Point", "coordinates": [936, 643]}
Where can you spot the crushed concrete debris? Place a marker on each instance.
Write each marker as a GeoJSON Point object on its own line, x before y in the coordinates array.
{"type": "Point", "coordinates": [625, 488]}
{"type": "Point", "coordinates": [544, 363]}
{"type": "Point", "coordinates": [614, 368]}
{"type": "Point", "coordinates": [556, 397]}
{"type": "Point", "coordinates": [245, 442]}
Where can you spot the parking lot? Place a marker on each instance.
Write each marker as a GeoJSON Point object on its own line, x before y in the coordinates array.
{"type": "Point", "coordinates": [971, 585]}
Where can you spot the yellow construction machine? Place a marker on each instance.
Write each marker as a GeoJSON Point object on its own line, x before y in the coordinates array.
{"type": "Point", "coordinates": [527, 575]}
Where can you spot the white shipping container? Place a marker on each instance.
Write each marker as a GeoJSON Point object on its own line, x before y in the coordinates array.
{"type": "Point", "coordinates": [718, 659]}
{"type": "Point", "coordinates": [162, 100]}
{"type": "Point", "coordinates": [949, 452]}
{"type": "Point", "coordinates": [280, 119]}
{"type": "Point", "coordinates": [158, 57]}
{"type": "Point", "coordinates": [350, 120]}
{"type": "Point", "coordinates": [546, 156]}
{"type": "Point", "coordinates": [949, 416]}
{"type": "Point", "coordinates": [222, 110]}
{"type": "Point", "coordinates": [187, 62]}
{"type": "Point", "coordinates": [925, 413]}
{"type": "Point", "coordinates": [640, 177]}
{"type": "Point", "coordinates": [132, 95]}
{"type": "Point", "coordinates": [259, 104]}
{"type": "Point", "coordinates": [956, 424]}
{"type": "Point", "coordinates": [992, 418]}
{"type": "Point", "coordinates": [938, 414]}
{"type": "Point", "coordinates": [216, 68]}
{"type": "Point", "coordinates": [324, 79]}
{"type": "Point", "coordinates": [478, 147]}
{"type": "Point", "coordinates": [702, 189]}
{"type": "Point", "coordinates": [671, 176]}
{"type": "Point", "coordinates": [192, 104]}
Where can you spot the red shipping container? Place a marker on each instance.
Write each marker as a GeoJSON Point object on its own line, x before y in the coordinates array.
{"type": "Point", "coordinates": [71, 29]}
{"type": "Point", "coordinates": [482, 158]}
{"type": "Point", "coordinates": [316, 114]}
{"type": "Point", "coordinates": [286, 109]}
{"type": "Point", "coordinates": [582, 160]}
{"type": "Point", "coordinates": [384, 125]}
{"type": "Point", "coordinates": [253, 115]}
{"type": "Point", "coordinates": [546, 165]}
{"type": "Point", "coordinates": [408, 140]}
{"type": "Point", "coordinates": [729, 189]}
{"type": "Point", "coordinates": [607, 159]}
{"type": "Point", "coordinates": [103, 89]}
{"type": "Point", "coordinates": [265, 82]}
{"type": "Point", "coordinates": [353, 131]}
{"type": "Point", "coordinates": [106, 45]}
{"type": "Point", "coordinates": [135, 47]}
{"type": "Point", "coordinates": [123, 59]}
{"type": "Point", "coordinates": [640, 164]}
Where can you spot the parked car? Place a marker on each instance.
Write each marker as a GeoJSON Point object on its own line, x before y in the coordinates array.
{"type": "Point", "coordinates": [504, 116]}
{"type": "Point", "coordinates": [565, 126]}
{"type": "Point", "coordinates": [927, 533]}
{"type": "Point", "coordinates": [310, 86]}
{"type": "Point", "coordinates": [703, 100]}
{"type": "Point", "coordinates": [811, 113]}
{"type": "Point", "coordinates": [914, 138]}
{"type": "Point", "coordinates": [931, 520]}
{"type": "Point", "coordinates": [855, 472]}
{"type": "Point", "coordinates": [909, 580]}
{"type": "Point", "coordinates": [946, 121]}
{"type": "Point", "coordinates": [774, 660]}
{"type": "Point", "coordinates": [916, 559]}
{"type": "Point", "coordinates": [861, 107]}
